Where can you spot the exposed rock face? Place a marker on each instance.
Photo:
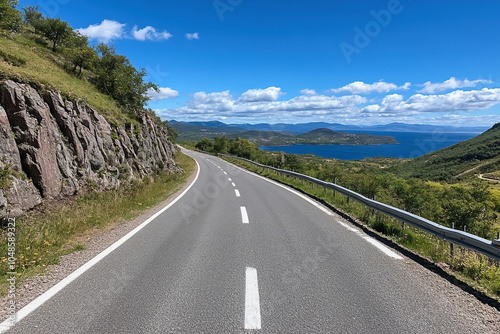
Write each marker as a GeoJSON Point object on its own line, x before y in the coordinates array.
{"type": "Point", "coordinates": [50, 148]}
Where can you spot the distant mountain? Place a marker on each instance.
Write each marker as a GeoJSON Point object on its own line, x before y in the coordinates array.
{"type": "Point", "coordinates": [480, 154]}
{"type": "Point", "coordinates": [306, 127]}
{"type": "Point", "coordinates": [198, 130]}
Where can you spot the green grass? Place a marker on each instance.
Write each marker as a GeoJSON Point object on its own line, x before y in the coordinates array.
{"type": "Point", "coordinates": [42, 238]}
{"type": "Point", "coordinates": [25, 61]}
{"type": "Point", "coordinates": [476, 155]}
{"type": "Point", "coordinates": [477, 270]}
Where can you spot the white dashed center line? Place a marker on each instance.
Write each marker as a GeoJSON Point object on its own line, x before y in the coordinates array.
{"type": "Point", "coordinates": [236, 191]}
{"type": "Point", "coordinates": [234, 185]}
{"type": "Point", "coordinates": [244, 215]}
{"type": "Point", "coordinates": [252, 301]}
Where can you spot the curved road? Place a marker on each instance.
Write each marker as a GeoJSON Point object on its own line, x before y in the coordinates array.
{"type": "Point", "coordinates": [240, 253]}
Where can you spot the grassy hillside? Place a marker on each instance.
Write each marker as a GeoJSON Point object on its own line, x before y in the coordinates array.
{"type": "Point", "coordinates": [480, 154]}
{"type": "Point", "coordinates": [25, 61]}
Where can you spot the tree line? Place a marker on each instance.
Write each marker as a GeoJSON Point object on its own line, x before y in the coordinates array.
{"type": "Point", "coordinates": [111, 73]}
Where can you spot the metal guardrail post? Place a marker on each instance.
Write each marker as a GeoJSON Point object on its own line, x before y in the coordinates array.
{"type": "Point", "coordinates": [452, 247]}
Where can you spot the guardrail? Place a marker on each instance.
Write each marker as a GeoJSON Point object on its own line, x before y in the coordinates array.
{"type": "Point", "coordinates": [471, 241]}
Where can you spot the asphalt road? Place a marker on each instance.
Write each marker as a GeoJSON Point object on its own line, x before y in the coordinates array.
{"type": "Point", "coordinates": [238, 253]}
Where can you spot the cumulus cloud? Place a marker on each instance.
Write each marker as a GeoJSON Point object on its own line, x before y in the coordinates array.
{"type": "Point", "coordinates": [359, 87]}
{"type": "Point", "coordinates": [108, 31]}
{"type": "Point", "coordinates": [149, 33]}
{"type": "Point", "coordinates": [163, 94]}
{"type": "Point", "coordinates": [458, 100]}
{"type": "Point", "coordinates": [308, 92]}
{"type": "Point", "coordinates": [259, 103]}
{"type": "Point", "coordinates": [105, 32]}
{"type": "Point", "coordinates": [261, 95]}
{"type": "Point", "coordinates": [192, 36]}
{"type": "Point", "coordinates": [452, 83]}
{"type": "Point", "coordinates": [264, 104]}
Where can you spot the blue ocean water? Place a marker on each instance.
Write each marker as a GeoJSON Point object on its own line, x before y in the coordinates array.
{"type": "Point", "coordinates": [411, 145]}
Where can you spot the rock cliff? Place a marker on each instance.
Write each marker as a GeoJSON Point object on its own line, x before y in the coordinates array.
{"type": "Point", "coordinates": [51, 148]}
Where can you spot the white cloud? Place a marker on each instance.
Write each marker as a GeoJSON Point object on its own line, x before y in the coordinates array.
{"type": "Point", "coordinates": [149, 33]}
{"type": "Point", "coordinates": [261, 95]}
{"type": "Point", "coordinates": [359, 87]}
{"type": "Point", "coordinates": [192, 36]}
{"type": "Point", "coordinates": [106, 31]}
{"type": "Point", "coordinates": [262, 103]}
{"type": "Point", "coordinates": [452, 83]}
{"type": "Point", "coordinates": [164, 94]}
{"type": "Point", "coordinates": [258, 105]}
{"type": "Point", "coordinates": [455, 101]}
{"type": "Point", "coordinates": [308, 92]}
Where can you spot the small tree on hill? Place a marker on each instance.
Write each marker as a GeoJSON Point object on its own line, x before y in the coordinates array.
{"type": "Point", "coordinates": [33, 17]}
{"type": "Point", "coordinates": [55, 31]}
{"type": "Point", "coordinates": [10, 17]}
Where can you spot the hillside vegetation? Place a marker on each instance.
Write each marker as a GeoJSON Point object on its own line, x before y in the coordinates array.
{"type": "Point", "coordinates": [480, 154]}
{"type": "Point", "coordinates": [48, 54]}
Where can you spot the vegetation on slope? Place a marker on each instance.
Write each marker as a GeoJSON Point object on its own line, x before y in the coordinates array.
{"type": "Point", "coordinates": [479, 154]}
{"type": "Point", "coordinates": [48, 54]}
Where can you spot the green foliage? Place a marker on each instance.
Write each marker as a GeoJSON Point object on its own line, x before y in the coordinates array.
{"type": "Point", "coordinates": [33, 17]}
{"type": "Point", "coordinates": [10, 17]}
{"type": "Point", "coordinates": [481, 152]}
{"type": "Point", "coordinates": [116, 77]}
{"type": "Point", "coordinates": [55, 31]}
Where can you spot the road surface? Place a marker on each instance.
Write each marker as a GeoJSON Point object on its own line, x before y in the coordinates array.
{"type": "Point", "coordinates": [238, 253]}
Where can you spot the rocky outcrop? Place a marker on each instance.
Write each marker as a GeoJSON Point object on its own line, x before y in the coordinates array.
{"type": "Point", "coordinates": [51, 148]}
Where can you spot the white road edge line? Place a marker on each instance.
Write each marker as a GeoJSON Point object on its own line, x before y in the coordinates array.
{"type": "Point", "coordinates": [237, 192]}
{"type": "Point", "coordinates": [22, 313]}
{"type": "Point", "coordinates": [374, 242]}
{"type": "Point", "coordinates": [244, 215]}
{"type": "Point", "coordinates": [252, 301]}
{"type": "Point", "coordinates": [382, 248]}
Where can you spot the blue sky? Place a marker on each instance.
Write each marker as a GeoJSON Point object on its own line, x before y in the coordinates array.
{"type": "Point", "coordinates": [350, 62]}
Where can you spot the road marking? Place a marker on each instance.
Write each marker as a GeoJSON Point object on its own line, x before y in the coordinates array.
{"type": "Point", "coordinates": [225, 173]}
{"type": "Point", "coordinates": [304, 197]}
{"type": "Point", "coordinates": [372, 241]}
{"type": "Point", "coordinates": [234, 185]}
{"type": "Point", "coordinates": [381, 247]}
{"type": "Point", "coordinates": [244, 215]}
{"type": "Point", "coordinates": [237, 192]}
{"type": "Point", "coordinates": [252, 301]}
{"type": "Point", "coordinates": [22, 313]}
{"type": "Point", "coordinates": [229, 179]}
